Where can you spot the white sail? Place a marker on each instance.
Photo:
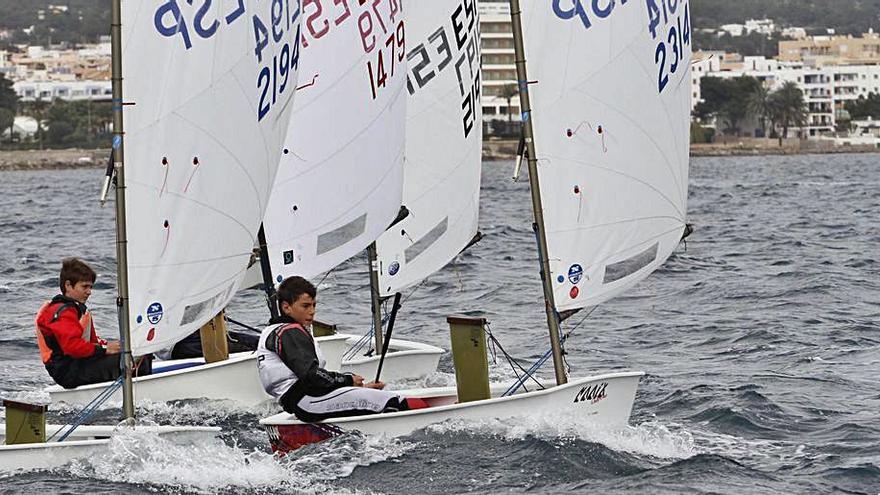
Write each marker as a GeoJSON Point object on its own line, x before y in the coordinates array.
{"type": "Point", "coordinates": [610, 88]}
{"type": "Point", "coordinates": [208, 91]}
{"type": "Point", "coordinates": [443, 144]}
{"type": "Point", "coordinates": [341, 184]}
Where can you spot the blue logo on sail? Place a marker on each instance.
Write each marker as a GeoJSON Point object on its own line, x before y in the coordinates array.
{"type": "Point", "coordinates": [154, 313]}
{"type": "Point", "coordinates": [393, 268]}
{"type": "Point", "coordinates": [575, 273]}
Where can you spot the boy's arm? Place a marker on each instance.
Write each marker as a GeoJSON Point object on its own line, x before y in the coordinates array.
{"type": "Point", "coordinates": [68, 332]}
{"type": "Point", "coordinates": [297, 351]}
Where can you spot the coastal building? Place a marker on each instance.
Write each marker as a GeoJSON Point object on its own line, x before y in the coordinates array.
{"type": "Point", "coordinates": [47, 73]}
{"type": "Point", "coordinates": [761, 26]}
{"type": "Point", "coordinates": [72, 90]}
{"type": "Point", "coordinates": [832, 50]}
{"type": "Point", "coordinates": [826, 89]}
{"type": "Point", "coordinates": [500, 96]}
{"type": "Point", "coordinates": [23, 127]}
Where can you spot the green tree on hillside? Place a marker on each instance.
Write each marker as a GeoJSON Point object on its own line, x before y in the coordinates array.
{"type": "Point", "coordinates": [7, 119]}
{"type": "Point", "coordinates": [759, 105]}
{"type": "Point", "coordinates": [8, 105]}
{"type": "Point", "coordinates": [864, 107]}
{"type": "Point", "coordinates": [37, 110]}
{"type": "Point", "coordinates": [789, 109]}
{"type": "Point", "coordinates": [77, 122]}
{"type": "Point", "coordinates": [724, 100]}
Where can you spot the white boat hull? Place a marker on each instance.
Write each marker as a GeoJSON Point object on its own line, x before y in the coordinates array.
{"type": "Point", "coordinates": [236, 379]}
{"type": "Point", "coordinates": [603, 400]}
{"type": "Point", "coordinates": [84, 442]}
{"type": "Point", "coordinates": [406, 360]}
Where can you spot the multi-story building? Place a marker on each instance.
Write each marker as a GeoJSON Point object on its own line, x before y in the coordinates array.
{"type": "Point", "coordinates": [826, 88]}
{"type": "Point", "coordinates": [832, 50]}
{"type": "Point", "coordinates": [500, 97]}
{"type": "Point", "coordinates": [66, 90]}
{"type": "Point", "coordinates": [48, 73]}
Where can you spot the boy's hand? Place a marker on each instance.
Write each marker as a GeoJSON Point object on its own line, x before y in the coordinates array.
{"type": "Point", "coordinates": [358, 380]}
{"type": "Point", "coordinates": [376, 385]}
{"type": "Point", "coordinates": [113, 347]}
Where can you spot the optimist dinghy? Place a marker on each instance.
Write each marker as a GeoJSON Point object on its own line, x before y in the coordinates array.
{"type": "Point", "coordinates": [607, 151]}
{"type": "Point", "coordinates": [206, 115]}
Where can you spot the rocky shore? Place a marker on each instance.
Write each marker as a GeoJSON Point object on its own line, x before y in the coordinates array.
{"type": "Point", "coordinates": [52, 159]}
{"type": "Point", "coordinates": [493, 149]}
{"type": "Point", "coordinates": [755, 147]}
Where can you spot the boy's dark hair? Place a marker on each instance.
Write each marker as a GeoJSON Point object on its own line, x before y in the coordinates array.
{"type": "Point", "coordinates": [293, 287]}
{"type": "Point", "coordinates": [75, 270]}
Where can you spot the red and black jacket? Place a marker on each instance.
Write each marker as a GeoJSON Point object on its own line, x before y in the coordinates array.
{"type": "Point", "coordinates": [61, 333]}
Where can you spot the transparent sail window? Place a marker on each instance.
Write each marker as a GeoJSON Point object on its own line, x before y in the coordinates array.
{"type": "Point", "coordinates": [627, 267]}
{"type": "Point", "coordinates": [329, 241]}
{"type": "Point", "coordinates": [199, 310]}
{"type": "Point", "coordinates": [425, 242]}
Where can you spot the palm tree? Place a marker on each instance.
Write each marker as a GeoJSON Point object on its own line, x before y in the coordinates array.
{"type": "Point", "coordinates": [508, 92]}
{"type": "Point", "coordinates": [788, 108]}
{"type": "Point", "coordinates": [759, 105]}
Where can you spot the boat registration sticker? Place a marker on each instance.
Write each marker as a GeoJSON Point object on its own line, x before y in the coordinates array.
{"type": "Point", "coordinates": [575, 273]}
{"type": "Point", "coordinates": [154, 313]}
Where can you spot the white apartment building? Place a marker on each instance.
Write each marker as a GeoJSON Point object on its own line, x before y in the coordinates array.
{"type": "Point", "coordinates": [66, 90]}
{"type": "Point", "coordinates": [499, 68]}
{"type": "Point", "coordinates": [48, 73]}
{"type": "Point", "coordinates": [826, 89]}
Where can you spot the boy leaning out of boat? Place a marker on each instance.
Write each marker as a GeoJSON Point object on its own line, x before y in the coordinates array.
{"type": "Point", "coordinates": [69, 347]}
{"type": "Point", "coordinates": [292, 370]}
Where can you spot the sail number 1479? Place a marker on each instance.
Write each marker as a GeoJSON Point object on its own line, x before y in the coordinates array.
{"type": "Point", "coordinates": [671, 21]}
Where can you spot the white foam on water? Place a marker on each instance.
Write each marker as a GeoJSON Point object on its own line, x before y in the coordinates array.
{"type": "Point", "coordinates": [762, 451]}
{"type": "Point", "coordinates": [648, 439]}
{"type": "Point", "coordinates": [210, 466]}
{"type": "Point", "coordinates": [338, 457]}
{"type": "Point", "coordinates": [202, 412]}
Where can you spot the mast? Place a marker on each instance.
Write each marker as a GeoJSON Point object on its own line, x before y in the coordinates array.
{"type": "Point", "coordinates": [266, 269]}
{"type": "Point", "coordinates": [121, 235]}
{"type": "Point", "coordinates": [528, 137]}
{"type": "Point", "coordinates": [375, 301]}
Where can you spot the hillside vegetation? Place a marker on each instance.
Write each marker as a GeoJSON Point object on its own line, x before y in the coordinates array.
{"type": "Point", "coordinates": [85, 20]}
{"type": "Point", "coordinates": [845, 16]}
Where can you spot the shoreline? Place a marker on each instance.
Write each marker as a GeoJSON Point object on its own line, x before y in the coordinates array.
{"type": "Point", "coordinates": [493, 150]}
{"type": "Point", "coordinates": [505, 149]}
{"type": "Point", "coordinates": [62, 159]}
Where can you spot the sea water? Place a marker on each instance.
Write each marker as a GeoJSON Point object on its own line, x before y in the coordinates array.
{"type": "Point", "coordinates": [760, 338]}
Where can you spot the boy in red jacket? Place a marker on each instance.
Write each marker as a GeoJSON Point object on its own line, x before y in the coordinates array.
{"type": "Point", "coordinates": [69, 347]}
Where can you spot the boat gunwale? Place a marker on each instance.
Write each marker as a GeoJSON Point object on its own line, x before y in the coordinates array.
{"type": "Point", "coordinates": [282, 419]}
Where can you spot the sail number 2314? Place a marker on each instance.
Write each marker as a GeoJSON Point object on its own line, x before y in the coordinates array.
{"type": "Point", "coordinates": [669, 20]}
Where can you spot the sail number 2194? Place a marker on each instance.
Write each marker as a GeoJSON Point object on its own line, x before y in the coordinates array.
{"type": "Point", "coordinates": [276, 47]}
{"type": "Point", "coordinates": [670, 20]}
{"type": "Point", "coordinates": [275, 32]}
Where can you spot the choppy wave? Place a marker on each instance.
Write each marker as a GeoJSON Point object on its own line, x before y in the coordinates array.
{"type": "Point", "coordinates": [759, 338]}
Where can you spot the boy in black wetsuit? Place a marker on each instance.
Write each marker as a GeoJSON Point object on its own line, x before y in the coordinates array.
{"type": "Point", "coordinates": [292, 367]}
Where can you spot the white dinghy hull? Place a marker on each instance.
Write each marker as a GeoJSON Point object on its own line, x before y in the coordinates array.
{"type": "Point", "coordinates": [235, 379]}
{"type": "Point", "coordinates": [84, 442]}
{"type": "Point", "coordinates": [605, 400]}
{"type": "Point", "coordinates": [406, 360]}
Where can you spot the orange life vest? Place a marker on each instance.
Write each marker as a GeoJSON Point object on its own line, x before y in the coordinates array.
{"type": "Point", "coordinates": [45, 349]}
